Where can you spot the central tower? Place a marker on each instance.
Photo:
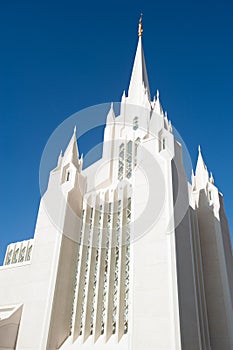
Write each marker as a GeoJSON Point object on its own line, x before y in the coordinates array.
{"type": "Point", "coordinates": [135, 282]}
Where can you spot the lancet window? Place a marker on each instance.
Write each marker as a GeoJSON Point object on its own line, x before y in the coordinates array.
{"type": "Point", "coordinates": [129, 160]}
{"type": "Point", "coordinates": [96, 262]}
{"type": "Point", "coordinates": [121, 161]}
{"type": "Point", "coordinates": [29, 253]}
{"type": "Point", "coordinates": [9, 257]}
{"type": "Point", "coordinates": [22, 254]}
{"type": "Point", "coordinates": [127, 266]}
{"type": "Point", "coordinates": [116, 274]}
{"type": "Point", "coordinates": [136, 145]}
{"type": "Point", "coordinates": [15, 256]}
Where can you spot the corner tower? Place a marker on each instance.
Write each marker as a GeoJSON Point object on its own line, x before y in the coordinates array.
{"type": "Point", "coordinates": [216, 253]}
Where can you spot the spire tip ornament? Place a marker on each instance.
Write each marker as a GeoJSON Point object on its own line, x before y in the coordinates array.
{"type": "Point", "coordinates": [140, 29]}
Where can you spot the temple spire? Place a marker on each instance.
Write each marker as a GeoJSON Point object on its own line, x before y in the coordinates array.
{"type": "Point", "coordinates": [201, 167]}
{"type": "Point", "coordinates": [111, 115]}
{"type": "Point", "coordinates": [157, 105]}
{"type": "Point", "coordinates": [202, 174]}
{"type": "Point", "coordinates": [71, 154]}
{"type": "Point", "coordinates": [139, 84]}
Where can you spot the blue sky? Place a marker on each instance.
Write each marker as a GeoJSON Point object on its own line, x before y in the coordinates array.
{"type": "Point", "coordinates": [57, 58]}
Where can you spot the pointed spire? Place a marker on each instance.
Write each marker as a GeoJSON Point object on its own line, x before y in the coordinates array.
{"type": "Point", "coordinates": [200, 162]}
{"type": "Point", "coordinates": [59, 160]}
{"type": "Point", "coordinates": [71, 154]}
{"type": "Point", "coordinates": [123, 97]}
{"type": "Point", "coordinates": [158, 107]}
{"type": "Point", "coordinates": [139, 85]}
{"type": "Point", "coordinates": [153, 102]}
{"type": "Point", "coordinates": [169, 126]}
{"type": "Point", "coordinates": [111, 115]}
{"type": "Point", "coordinates": [211, 178]}
{"type": "Point", "coordinates": [202, 175]}
{"type": "Point", "coordinates": [192, 175]}
{"type": "Point", "coordinates": [166, 122]}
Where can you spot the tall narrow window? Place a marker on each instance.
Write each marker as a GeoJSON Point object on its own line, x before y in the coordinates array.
{"type": "Point", "coordinates": [9, 257]}
{"type": "Point", "coordinates": [76, 285]}
{"type": "Point", "coordinates": [128, 211]}
{"type": "Point", "coordinates": [97, 262]}
{"type": "Point", "coordinates": [129, 160]}
{"type": "Point", "coordinates": [121, 162]}
{"type": "Point", "coordinates": [210, 195]}
{"type": "Point", "coordinates": [22, 254]}
{"type": "Point", "coordinates": [68, 176]}
{"type": "Point", "coordinates": [136, 144]}
{"type": "Point", "coordinates": [109, 217]}
{"type": "Point", "coordinates": [116, 273]}
{"type": "Point", "coordinates": [163, 143]}
{"type": "Point", "coordinates": [29, 253]}
{"type": "Point", "coordinates": [127, 266]}
{"type": "Point", "coordinates": [86, 268]}
{"type": "Point", "coordinates": [135, 123]}
{"type": "Point", "coordinates": [15, 256]}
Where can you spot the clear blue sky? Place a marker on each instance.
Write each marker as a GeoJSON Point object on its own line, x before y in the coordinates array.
{"type": "Point", "coordinates": [59, 57]}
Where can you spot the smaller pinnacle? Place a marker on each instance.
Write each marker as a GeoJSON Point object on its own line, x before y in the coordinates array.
{"type": "Point", "coordinates": [211, 178]}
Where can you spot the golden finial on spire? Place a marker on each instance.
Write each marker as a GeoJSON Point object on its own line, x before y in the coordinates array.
{"type": "Point", "coordinates": [140, 29]}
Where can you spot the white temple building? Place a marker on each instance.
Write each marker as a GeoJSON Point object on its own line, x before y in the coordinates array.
{"type": "Point", "coordinates": [127, 254]}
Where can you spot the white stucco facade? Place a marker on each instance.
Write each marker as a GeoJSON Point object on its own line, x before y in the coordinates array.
{"type": "Point", "coordinates": [136, 258]}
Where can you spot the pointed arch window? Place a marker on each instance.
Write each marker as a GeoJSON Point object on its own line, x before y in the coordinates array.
{"type": "Point", "coordinates": [117, 267]}
{"type": "Point", "coordinates": [136, 144]}
{"type": "Point", "coordinates": [129, 160]}
{"type": "Point", "coordinates": [15, 256]}
{"type": "Point", "coordinates": [29, 252]}
{"type": "Point", "coordinates": [127, 267]}
{"type": "Point", "coordinates": [22, 254]}
{"type": "Point", "coordinates": [121, 161]}
{"type": "Point", "coordinates": [9, 257]}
